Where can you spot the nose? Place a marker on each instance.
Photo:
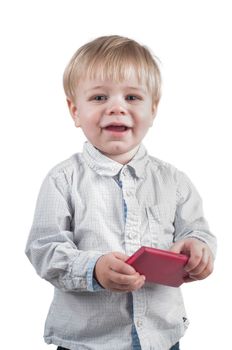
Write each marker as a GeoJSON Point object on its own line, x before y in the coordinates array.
{"type": "Point", "coordinates": [116, 107]}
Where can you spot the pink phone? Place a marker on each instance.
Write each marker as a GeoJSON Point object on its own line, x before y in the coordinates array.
{"type": "Point", "coordinates": [160, 266]}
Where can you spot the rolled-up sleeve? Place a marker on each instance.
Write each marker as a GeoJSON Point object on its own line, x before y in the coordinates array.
{"type": "Point", "coordinates": [50, 246]}
{"type": "Point", "coordinates": [189, 220]}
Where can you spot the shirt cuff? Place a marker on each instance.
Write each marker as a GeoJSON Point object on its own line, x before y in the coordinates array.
{"type": "Point", "coordinates": [92, 284]}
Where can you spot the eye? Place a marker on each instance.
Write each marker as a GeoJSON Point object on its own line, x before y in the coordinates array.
{"type": "Point", "coordinates": [99, 98]}
{"type": "Point", "coordinates": [132, 98]}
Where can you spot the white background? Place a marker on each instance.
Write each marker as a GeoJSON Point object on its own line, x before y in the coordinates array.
{"type": "Point", "coordinates": [192, 131]}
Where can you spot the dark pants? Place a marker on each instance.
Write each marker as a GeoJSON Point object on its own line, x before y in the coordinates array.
{"type": "Point", "coordinates": [175, 347]}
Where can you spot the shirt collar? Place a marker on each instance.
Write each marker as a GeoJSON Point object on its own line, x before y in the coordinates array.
{"type": "Point", "coordinates": [108, 167]}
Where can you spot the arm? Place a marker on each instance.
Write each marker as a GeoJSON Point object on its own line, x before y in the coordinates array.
{"type": "Point", "coordinates": [192, 235]}
{"type": "Point", "coordinates": [50, 247]}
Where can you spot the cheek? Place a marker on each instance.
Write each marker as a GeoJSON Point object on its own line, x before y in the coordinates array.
{"type": "Point", "coordinates": [90, 128]}
{"type": "Point", "coordinates": [89, 115]}
{"type": "Point", "coordinates": [144, 121]}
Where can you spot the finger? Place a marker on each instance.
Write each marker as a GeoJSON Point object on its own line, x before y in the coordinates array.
{"type": "Point", "coordinates": [139, 284]}
{"type": "Point", "coordinates": [189, 279]}
{"type": "Point", "coordinates": [177, 247]}
{"type": "Point", "coordinates": [202, 265]}
{"type": "Point", "coordinates": [206, 272]}
{"type": "Point", "coordinates": [121, 267]}
{"type": "Point", "coordinates": [194, 260]}
{"type": "Point", "coordinates": [122, 279]}
{"type": "Point", "coordinates": [121, 256]}
{"type": "Point", "coordinates": [128, 287]}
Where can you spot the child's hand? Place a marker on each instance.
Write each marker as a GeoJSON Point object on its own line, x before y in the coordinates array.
{"type": "Point", "coordinates": [200, 264]}
{"type": "Point", "coordinates": [114, 274]}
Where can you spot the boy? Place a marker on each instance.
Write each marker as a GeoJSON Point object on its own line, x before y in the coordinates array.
{"type": "Point", "coordinates": [98, 207]}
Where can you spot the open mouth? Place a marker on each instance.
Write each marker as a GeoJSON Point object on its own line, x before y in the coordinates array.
{"type": "Point", "coordinates": [117, 128]}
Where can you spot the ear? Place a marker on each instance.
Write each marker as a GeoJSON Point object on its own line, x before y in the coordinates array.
{"type": "Point", "coordinates": [154, 111]}
{"type": "Point", "coordinates": [74, 113]}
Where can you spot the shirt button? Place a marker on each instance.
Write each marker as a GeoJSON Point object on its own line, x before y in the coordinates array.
{"type": "Point", "coordinates": [139, 323]}
{"type": "Point", "coordinates": [125, 172]}
{"type": "Point", "coordinates": [132, 235]}
{"type": "Point", "coordinates": [129, 193]}
{"type": "Point", "coordinates": [83, 283]}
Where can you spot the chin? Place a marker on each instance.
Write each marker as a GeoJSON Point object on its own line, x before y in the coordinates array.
{"type": "Point", "coordinates": [116, 150]}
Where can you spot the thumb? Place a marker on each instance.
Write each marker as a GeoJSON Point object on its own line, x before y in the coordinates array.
{"type": "Point", "coordinates": [120, 256]}
{"type": "Point", "coordinates": [127, 269]}
{"type": "Point", "coordinates": [177, 247]}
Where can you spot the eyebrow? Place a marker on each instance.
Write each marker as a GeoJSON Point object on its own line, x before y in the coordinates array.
{"type": "Point", "coordinates": [136, 88]}
{"type": "Point", "coordinates": [94, 88]}
{"type": "Point", "coordinates": [126, 87]}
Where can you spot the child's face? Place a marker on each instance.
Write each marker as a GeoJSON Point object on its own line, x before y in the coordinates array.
{"type": "Point", "coordinates": [113, 116]}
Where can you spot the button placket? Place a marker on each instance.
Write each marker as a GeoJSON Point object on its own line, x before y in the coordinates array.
{"type": "Point", "coordinates": [132, 237]}
{"type": "Point", "coordinates": [139, 308]}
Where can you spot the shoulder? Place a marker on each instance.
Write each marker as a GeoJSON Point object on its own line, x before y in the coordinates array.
{"type": "Point", "coordinates": [164, 168]}
{"type": "Point", "coordinates": [171, 177]}
{"type": "Point", "coordinates": [169, 173]}
{"type": "Point", "coordinates": [64, 171]}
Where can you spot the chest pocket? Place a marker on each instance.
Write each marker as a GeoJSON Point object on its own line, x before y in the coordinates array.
{"type": "Point", "coordinates": [161, 225]}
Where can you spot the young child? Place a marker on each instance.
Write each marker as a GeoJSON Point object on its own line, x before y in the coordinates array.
{"type": "Point", "coordinates": [98, 207]}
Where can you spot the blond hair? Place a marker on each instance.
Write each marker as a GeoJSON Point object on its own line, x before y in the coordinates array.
{"type": "Point", "coordinates": [114, 58]}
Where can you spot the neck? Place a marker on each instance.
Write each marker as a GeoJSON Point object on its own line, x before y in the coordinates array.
{"type": "Point", "coordinates": [123, 158]}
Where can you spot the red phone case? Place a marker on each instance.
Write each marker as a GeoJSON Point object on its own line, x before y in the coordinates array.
{"type": "Point", "coordinates": [159, 266]}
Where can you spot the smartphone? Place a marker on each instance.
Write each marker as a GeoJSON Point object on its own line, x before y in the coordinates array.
{"type": "Point", "coordinates": [160, 266]}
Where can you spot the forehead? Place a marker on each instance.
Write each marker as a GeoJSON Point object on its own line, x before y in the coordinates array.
{"type": "Point", "coordinates": [125, 77]}
{"type": "Point", "coordinates": [116, 71]}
